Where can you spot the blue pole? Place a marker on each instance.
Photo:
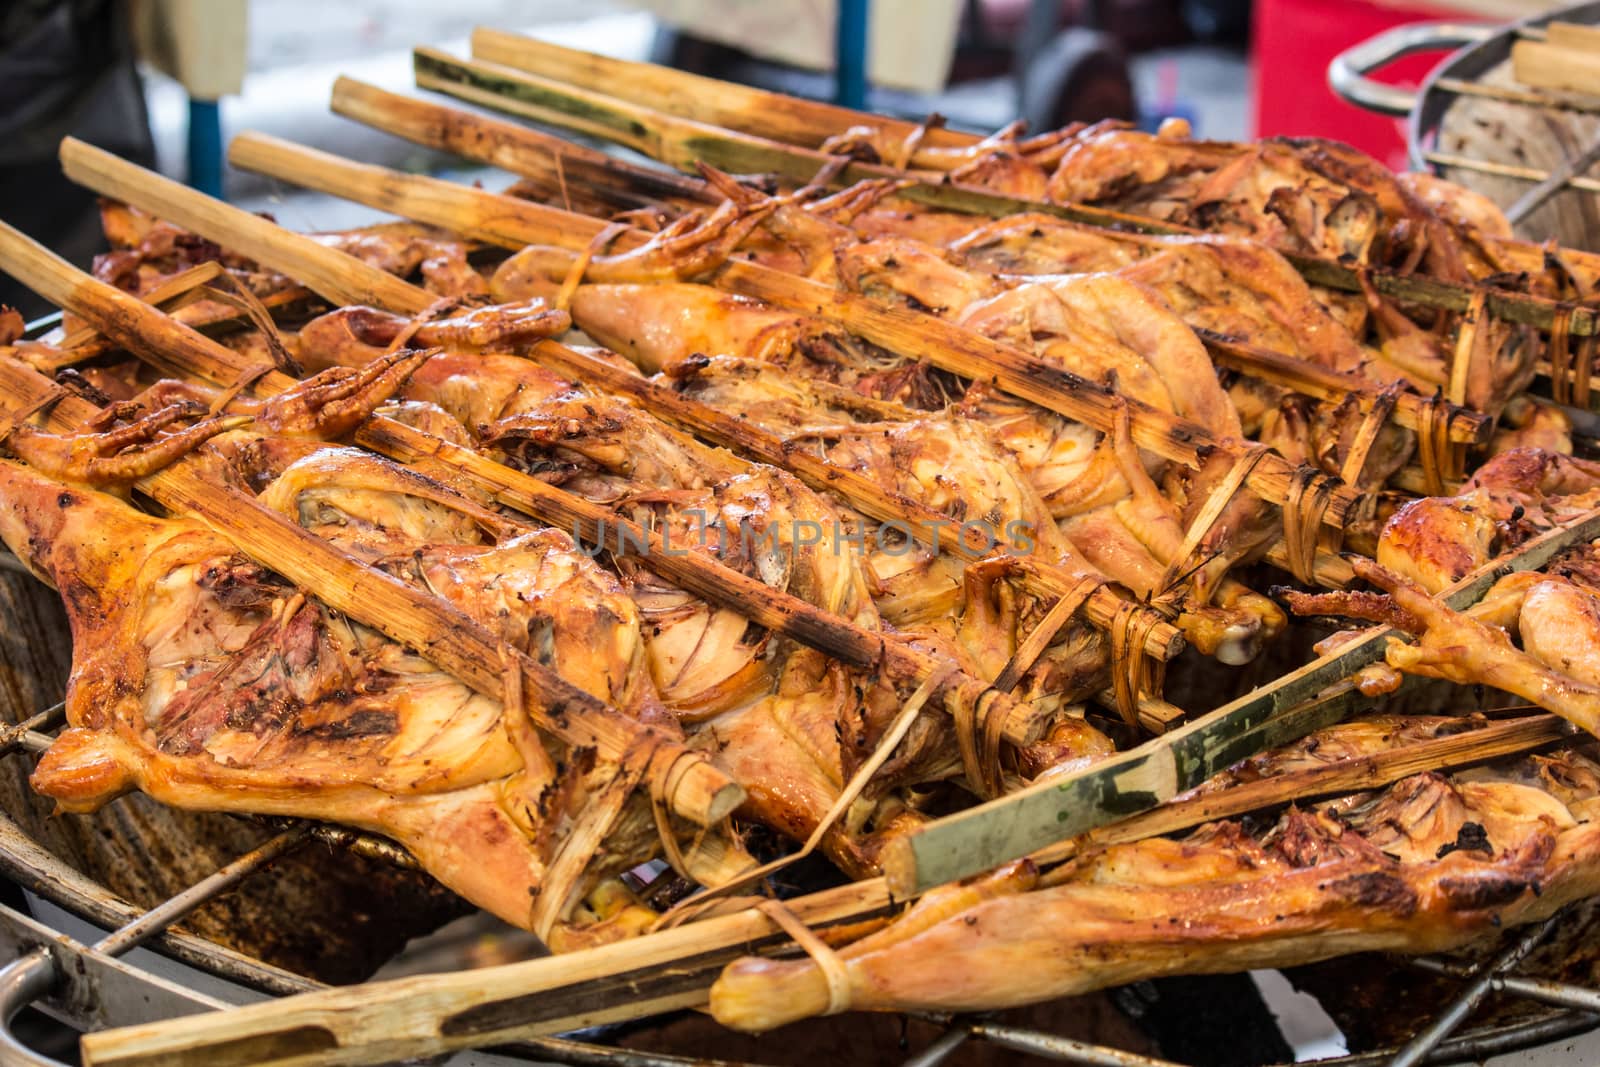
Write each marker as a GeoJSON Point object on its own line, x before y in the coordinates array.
{"type": "Point", "coordinates": [205, 146]}
{"type": "Point", "coordinates": [850, 46]}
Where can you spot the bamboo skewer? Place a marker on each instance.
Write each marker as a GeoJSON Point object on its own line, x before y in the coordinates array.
{"type": "Point", "coordinates": [511, 147]}
{"type": "Point", "coordinates": [515, 224]}
{"type": "Point", "coordinates": [1352, 775]}
{"type": "Point", "coordinates": [409, 1018]}
{"type": "Point", "coordinates": [1463, 425]}
{"type": "Point", "coordinates": [679, 142]}
{"type": "Point", "coordinates": [249, 235]}
{"type": "Point", "coordinates": [339, 278]}
{"type": "Point", "coordinates": [696, 572]}
{"type": "Point", "coordinates": [693, 96]}
{"type": "Point", "coordinates": [675, 141]}
{"type": "Point", "coordinates": [527, 152]}
{"type": "Point", "coordinates": [424, 1016]}
{"type": "Point", "coordinates": [215, 317]}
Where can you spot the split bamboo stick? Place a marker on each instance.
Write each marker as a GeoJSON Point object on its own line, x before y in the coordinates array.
{"type": "Point", "coordinates": [1351, 775]}
{"type": "Point", "coordinates": [250, 235]}
{"type": "Point", "coordinates": [514, 224]}
{"type": "Point", "coordinates": [675, 141]}
{"type": "Point", "coordinates": [408, 1018]}
{"type": "Point", "coordinates": [207, 318]}
{"type": "Point", "coordinates": [1463, 425]}
{"type": "Point", "coordinates": [696, 572]}
{"type": "Point", "coordinates": [511, 147]}
{"type": "Point", "coordinates": [435, 630]}
{"type": "Point", "coordinates": [680, 142]}
{"type": "Point", "coordinates": [527, 152]}
{"type": "Point", "coordinates": [428, 1015]}
{"type": "Point", "coordinates": [709, 100]}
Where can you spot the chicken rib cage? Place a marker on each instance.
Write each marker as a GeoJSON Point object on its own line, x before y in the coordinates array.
{"type": "Point", "coordinates": [865, 508]}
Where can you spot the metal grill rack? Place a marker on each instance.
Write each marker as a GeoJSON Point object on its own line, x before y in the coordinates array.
{"type": "Point", "coordinates": [1461, 77]}
{"type": "Point", "coordinates": [1545, 184]}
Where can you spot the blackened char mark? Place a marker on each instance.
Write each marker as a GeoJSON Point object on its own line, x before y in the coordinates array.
{"type": "Point", "coordinates": [1470, 838]}
{"type": "Point", "coordinates": [1376, 889]}
{"type": "Point", "coordinates": [360, 724]}
{"type": "Point", "coordinates": [1483, 889]}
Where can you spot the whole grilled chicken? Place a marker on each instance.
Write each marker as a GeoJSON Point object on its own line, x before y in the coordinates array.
{"type": "Point", "coordinates": [209, 682]}
{"type": "Point", "coordinates": [1428, 863]}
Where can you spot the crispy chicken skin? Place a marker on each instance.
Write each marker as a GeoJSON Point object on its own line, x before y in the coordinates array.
{"type": "Point", "coordinates": [1518, 493]}
{"type": "Point", "coordinates": [1100, 326]}
{"type": "Point", "coordinates": [1428, 863]}
{"type": "Point", "coordinates": [354, 336]}
{"type": "Point", "coordinates": [755, 700]}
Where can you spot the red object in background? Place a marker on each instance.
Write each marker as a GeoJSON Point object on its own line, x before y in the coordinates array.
{"type": "Point", "coordinates": [1291, 45]}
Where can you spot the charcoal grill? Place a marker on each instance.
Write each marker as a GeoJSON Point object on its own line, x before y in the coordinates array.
{"type": "Point", "coordinates": [1563, 128]}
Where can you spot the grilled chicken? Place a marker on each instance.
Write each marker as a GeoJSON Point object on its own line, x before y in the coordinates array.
{"type": "Point", "coordinates": [1517, 494]}
{"type": "Point", "coordinates": [757, 702]}
{"type": "Point", "coordinates": [1428, 863]}
{"type": "Point", "coordinates": [208, 682]}
{"type": "Point", "coordinates": [407, 249]}
{"type": "Point", "coordinates": [1016, 468]}
{"type": "Point", "coordinates": [1102, 327]}
{"type": "Point", "coordinates": [1556, 618]}
{"type": "Point", "coordinates": [354, 336]}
